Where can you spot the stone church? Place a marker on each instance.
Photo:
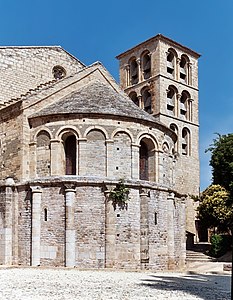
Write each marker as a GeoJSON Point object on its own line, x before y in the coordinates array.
{"type": "Point", "coordinates": [69, 135]}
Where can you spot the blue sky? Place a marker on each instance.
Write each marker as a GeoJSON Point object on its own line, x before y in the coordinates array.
{"type": "Point", "coordinates": [99, 30]}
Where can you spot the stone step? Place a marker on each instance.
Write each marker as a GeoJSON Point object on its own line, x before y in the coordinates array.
{"type": "Point", "coordinates": [192, 256]}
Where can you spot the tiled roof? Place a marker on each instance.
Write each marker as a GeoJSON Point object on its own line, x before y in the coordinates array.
{"type": "Point", "coordinates": [97, 97]}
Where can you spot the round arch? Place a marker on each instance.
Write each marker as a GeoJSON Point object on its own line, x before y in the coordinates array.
{"type": "Point", "coordinates": [124, 131]}
{"type": "Point", "coordinates": [43, 129]}
{"type": "Point", "coordinates": [104, 131]}
{"type": "Point", "coordinates": [67, 130]}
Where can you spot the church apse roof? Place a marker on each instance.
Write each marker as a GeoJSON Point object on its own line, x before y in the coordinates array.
{"type": "Point", "coordinates": [96, 97]}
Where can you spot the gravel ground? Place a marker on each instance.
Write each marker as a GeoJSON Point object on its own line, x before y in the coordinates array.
{"type": "Point", "coordinates": [32, 283]}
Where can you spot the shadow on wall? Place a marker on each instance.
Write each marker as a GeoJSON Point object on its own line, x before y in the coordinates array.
{"type": "Point", "coordinates": [205, 287]}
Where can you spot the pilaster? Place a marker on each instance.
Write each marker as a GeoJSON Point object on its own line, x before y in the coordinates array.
{"type": "Point", "coordinates": [144, 229]}
{"type": "Point", "coordinates": [36, 225]}
{"type": "Point", "coordinates": [170, 231]}
{"type": "Point", "coordinates": [70, 227]}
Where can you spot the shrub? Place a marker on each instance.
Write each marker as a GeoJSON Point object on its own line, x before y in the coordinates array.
{"type": "Point", "coordinates": [220, 244]}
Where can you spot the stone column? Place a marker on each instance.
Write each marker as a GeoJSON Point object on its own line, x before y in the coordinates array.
{"type": "Point", "coordinates": [55, 155]}
{"type": "Point", "coordinates": [189, 73]}
{"type": "Point", "coordinates": [139, 70]}
{"type": "Point", "coordinates": [144, 229]}
{"type": "Point", "coordinates": [70, 228]}
{"type": "Point", "coordinates": [6, 244]}
{"type": "Point", "coordinates": [109, 150]}
{"type": "Point", "coordinates": [177, 105]}
{"type": "Point", "coordinates": [36, 225]}
{"type": "Point", "coordinates": [127, 75]}
{"type": "Point", "coordinates": [177, 71]}
{"type": "Point", "coordinates": [182, 220]}
{"type": "Point", "coordinates": [32, 166]}
{"type": "Point", "coordinates": [110, 231]}
{"type": "Point", "coordinates": [135, 161]}
{"type": "Point", "coordinates": [160, 170]}
{"type": "Point", "coordinates": [141, 104]}
{"type": "Point", "coordinates": [170, 232]}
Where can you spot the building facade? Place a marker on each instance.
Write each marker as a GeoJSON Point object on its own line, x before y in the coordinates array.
{"type": "Point", "coordinates": [69, 135]}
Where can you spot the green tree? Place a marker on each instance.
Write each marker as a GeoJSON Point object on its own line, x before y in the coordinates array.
{"type": "Point", "coordinates": [214, 209]}
{"type": "Point", "coordinates": [222, 162]}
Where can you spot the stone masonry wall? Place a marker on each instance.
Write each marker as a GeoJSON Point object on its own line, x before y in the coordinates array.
{"type": "Point", "coordinates": [114, 237]}
{"type": "Point", "coordinates": [24, 68]}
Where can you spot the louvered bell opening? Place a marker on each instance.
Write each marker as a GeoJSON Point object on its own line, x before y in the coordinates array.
{"type": "Point", "coordinates": [184, 142]}
{"type": "Point", "coordinates": [170, 102]}
{"type": "Point", "coordinates": [170, 64]}
{"type": "Point", "coordinates": [147, 66]}
{"type": "Point", "coordinates": [183, 71]}
{"type": "Point", "coordinates": [147, 101]}
{"type": "Point", "coordinates": [182, 107]}
{"type": "Point", "coordinates": [134, 72]}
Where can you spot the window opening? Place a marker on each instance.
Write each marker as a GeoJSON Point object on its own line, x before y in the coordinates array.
{"type": "Point", "coordinates": [146, 65]}
{"type": "Point", "coordinates": [170, 62]}
{"type": "Point", "coordinates": [183, 68]}
{"type": "Point", "coordinates": [156, 221]}
{"type": "Point", "coordinates": [45, 214]}
{"type": "Point", "coordinates": [183, 104]}
{"type": "Point", "coordinates": [171, 100]}
{"type": "Point", "coordinates": [134, 98]}
{"type": "Point", "coordinates": [59, 72]}
{"type": "Point", "coordinates": [144, 171]}
{"type": "Point", "coordinates": [70, 153]}
{"type": "Point", "coordinates": [134, 71]}
{"type": "Point", "coordinates": [185, 142]}
{"type": "Point", "coordinates": [146, 97]}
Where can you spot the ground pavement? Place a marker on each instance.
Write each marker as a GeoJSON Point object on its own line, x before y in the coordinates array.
{"type": "Point", "coordinates": [200, 282]}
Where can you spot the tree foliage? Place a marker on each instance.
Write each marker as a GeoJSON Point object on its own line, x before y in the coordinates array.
{"type": "Point", "coordinates": [214, 209]}
{"type": "Point", "coordinates": [222, 162]}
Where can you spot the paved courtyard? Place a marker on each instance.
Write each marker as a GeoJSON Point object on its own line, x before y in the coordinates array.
{"type": "Point", "coordinates": [32, 283]}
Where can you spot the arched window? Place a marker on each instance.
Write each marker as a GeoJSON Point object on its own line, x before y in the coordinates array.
{"type": "Point", "coordinates": [59, 72]}
{"type": "Point", "coordinates": [133, 71]}
{"type": "Point", "coordinates": [184, 68]}
{"type": "Point", "coordinates": [186, 142]}
{"type": "Point", "coordinates": [184, 105]}
{"type": "Point", "coordinates": [174, 128]}
{"type": "Point", "coordinates": [146, 100]}
{"type": "Point", "coordinates": [134, 97]}
{"type": "Point", "coordinates": [171, 100]}
{"type": "Point", "coordinates": [70, 155]}
{"type": "Point", "coordinates": [146, 65]}
{"type": "Point", "coordinates": [147, 160]}
{"type": "Point", "coordinates": [171, 61]}
{"type": "Point", "coordinates": [144, 170]}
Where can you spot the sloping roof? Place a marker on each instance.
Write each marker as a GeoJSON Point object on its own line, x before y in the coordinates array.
{"type": "Point", "coordinates": [163, 38]}
{"type": "Point", "coordinates": [97, 97]}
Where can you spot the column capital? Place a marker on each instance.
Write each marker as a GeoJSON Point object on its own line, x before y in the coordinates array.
{"type": "Point", "coordinates": [54, 141]}
{"type": "Point", "coordinates": [70, 187]}
{"type": "Point", "coordinates": [109, 141]}
{"type": "Point", "coordinates": [9, 181]}
{"type": "Point", "coordinates": [144, 192]}
{"type": "Point", "coordinates": [171, 196]}
{"type": "Point", "coordinates": [178, 96]}
{"type": "Point", "coordinates": [36, 189]}
{"type": "Point", "coordinates": [127, 66]}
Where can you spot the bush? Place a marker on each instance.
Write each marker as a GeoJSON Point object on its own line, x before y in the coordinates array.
{"type": "Point", "coordinates": [220, 244]}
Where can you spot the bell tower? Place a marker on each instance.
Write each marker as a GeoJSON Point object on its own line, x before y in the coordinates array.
{"type": "Point", "coordinates": [161, 77]}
